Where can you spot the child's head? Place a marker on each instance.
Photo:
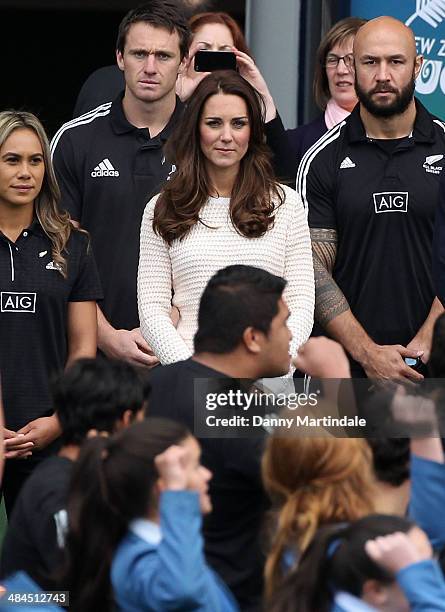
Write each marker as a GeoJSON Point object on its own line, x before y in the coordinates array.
{"type": "Point", "coordinates": [313, 482]}
{"type": "Point", "coordinates": [98, 394]}
{"type": "Point", "coordinates": [115, 480]}
{"type": "Point", "coordinates": [345, 559]}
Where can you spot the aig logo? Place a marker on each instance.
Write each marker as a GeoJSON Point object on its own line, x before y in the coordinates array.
{"type": "Point", "coordinates": [391, 201]}
{"type": "Point", "coordinates": [18, 302]}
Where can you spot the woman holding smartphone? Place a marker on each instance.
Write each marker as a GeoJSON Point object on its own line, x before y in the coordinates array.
{"type": "Point", "coordinates": [49, 286]}
{"type": "Point", "coordinates": [222, 206]}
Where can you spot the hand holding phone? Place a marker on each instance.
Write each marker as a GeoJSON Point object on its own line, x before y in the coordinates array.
{"type": "Point", "coordinates": [417, 364]}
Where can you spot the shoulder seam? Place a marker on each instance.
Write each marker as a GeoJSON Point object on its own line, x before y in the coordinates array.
{"type": "Point", "coordinates": [439, 123]}
{"type": "Point", "coordinates": [100, 111]}
{"type": "Point", "coordinates": [303, 169]}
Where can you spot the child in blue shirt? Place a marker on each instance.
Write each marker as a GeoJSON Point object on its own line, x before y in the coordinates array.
{"type": "Point", "coordinates": [135, 512]}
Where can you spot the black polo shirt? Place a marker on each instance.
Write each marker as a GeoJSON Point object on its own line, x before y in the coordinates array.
{"type": "Point", "coordinates": [107, 171]}
{"type": "Point", "coordinates": [233, 530]}
{"type": "Point", "coordinates": [33, 317]}
{"type": "Point", "coordinates": [381, 201]}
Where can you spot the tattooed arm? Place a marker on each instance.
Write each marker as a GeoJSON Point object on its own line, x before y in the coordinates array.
{"type": "Point", "coordinates": [332, 311]}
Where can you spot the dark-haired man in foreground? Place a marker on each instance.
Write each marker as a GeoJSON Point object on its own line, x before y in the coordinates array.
{"type": "Point", "coordinates": [242, 334]}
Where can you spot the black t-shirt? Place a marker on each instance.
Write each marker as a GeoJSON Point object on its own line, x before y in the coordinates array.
{"type": "Point", "coordinates": [33, 317]}
{"type": "Point", "coordinates": [232, 531]}
{"type": "Point", "coordinates": [108, 170]}
{"type": "Point", "coordinates": [382, 204]}
{"type": "Point", "coordinates": [37, 527]}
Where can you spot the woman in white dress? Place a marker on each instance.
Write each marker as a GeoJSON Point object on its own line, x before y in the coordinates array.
{"type": "Point", "coordinates": [222, 206]}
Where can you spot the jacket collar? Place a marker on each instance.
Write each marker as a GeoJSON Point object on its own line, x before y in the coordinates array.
{"type": "Point", "coordinates": [35, 228]}
{"type": "Point", "coordinates": [423, 130]}
{"type": "Point", "coordinates": [146, 530]}
{"type": "Point", "coordinates": [348, 603]}
{"type": "Point", "coordinates": [121, 125]}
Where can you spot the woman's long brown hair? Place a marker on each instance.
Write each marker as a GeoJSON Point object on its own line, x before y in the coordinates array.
{"type": "Point", "coordinates": [255, 194]}
{"type": "Point", "coordinates": [55, 223]}
{"type": "Point", "coordinates": [313, 482]}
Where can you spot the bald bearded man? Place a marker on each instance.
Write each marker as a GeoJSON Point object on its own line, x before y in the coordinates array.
{"type": "Point", "coordinates": [371, 187]}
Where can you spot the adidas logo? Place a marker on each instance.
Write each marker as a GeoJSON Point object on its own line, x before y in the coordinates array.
{"type": "Point", "coordinates": [347, 163]}
{"type": "Point", "coordinates": [53, 266]}
{"type": "Point", "coordinates": [105, 168]}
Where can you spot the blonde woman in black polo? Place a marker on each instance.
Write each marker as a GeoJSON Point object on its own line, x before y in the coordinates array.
{"type": "Point", "coordinates": [48, 289]}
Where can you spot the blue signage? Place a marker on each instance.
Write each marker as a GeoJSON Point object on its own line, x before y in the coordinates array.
{"type": "Point", "coordinates": [427, 20]}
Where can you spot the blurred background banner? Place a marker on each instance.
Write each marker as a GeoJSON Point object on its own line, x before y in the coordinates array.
{"type": "Point", "coordinates": [427, 19]}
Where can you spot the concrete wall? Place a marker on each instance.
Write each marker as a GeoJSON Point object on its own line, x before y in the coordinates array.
{"type": "Point", "coordinates": [272, 31]}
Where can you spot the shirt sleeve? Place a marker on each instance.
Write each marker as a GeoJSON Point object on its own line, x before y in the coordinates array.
{"type": "Point", "coordinates": [22, 583]}
{"type": "Point", "coordinates": [299, 272]}
{"type": "Point", "coordinates": [424, 586]}
{"type": "Point", "coordinates": [86, 285]}
{"type": "Point", "coordinates": [428, 498]}
{"type": "Point", "coordinates": [284, 158]}
{"type": "Point", "coordinates": [315, 186]}
{"type": "Point", "coordinates": [65, 167]}
{"type": "Point", "coordinates": [177, 576]}
{"type": "Point", "coordinates": [155, 294]}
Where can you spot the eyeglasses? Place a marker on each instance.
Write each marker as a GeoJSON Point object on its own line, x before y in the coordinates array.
{"type": "Point", "coordinates": [332, 60]}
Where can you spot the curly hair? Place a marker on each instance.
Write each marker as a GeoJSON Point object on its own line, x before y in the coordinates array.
{"type": "Point", "coordinates": [255, 194]}
{"type": "Point", "coordinates": [313, 482]}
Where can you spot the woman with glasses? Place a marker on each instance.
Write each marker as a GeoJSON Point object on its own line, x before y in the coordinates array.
{"type": "Point", "coordinates": [333, 85]}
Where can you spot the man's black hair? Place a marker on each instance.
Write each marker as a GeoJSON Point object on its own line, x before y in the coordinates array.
{"type": "Point", "coordinates": [94, 394]}
{"type": "Point", "coordinates": [391, 459]}
{"type": "Point", "coordinates": [167, 14]}
{"type": "Point", "coordinates": [235, 298]}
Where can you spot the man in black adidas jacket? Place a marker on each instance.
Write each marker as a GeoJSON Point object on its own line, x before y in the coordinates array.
{"type": "Point", "coordinates": [371, 187]}
{"type": "Point", "coordinates": [109, 162]}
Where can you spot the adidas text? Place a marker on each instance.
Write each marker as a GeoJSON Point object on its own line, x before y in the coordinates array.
{"type": "Point", "coordinates": [101, 172]}
{"type": "Point", "coordinates": [105, 168]}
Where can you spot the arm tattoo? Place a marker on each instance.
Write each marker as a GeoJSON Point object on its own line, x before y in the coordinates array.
{"type": "Point", "coordinates": [329, 299]}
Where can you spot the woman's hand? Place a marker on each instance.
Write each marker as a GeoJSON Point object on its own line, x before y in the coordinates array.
{"type": "Point", "coordinates": [14, 446]}
{"type": "Point", "coordinates": [41, 431]}
{"type": "Point", "coordinates": [250, 72]}
{"type": "Point", "coordinates": [188, 79]}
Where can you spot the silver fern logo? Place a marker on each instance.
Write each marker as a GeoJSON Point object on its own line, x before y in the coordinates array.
{"type": "Point", "coordinates": [431, 11]}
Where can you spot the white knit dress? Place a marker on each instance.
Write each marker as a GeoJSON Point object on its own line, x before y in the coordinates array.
{"type": "Point", "coordinates": [177, 274]}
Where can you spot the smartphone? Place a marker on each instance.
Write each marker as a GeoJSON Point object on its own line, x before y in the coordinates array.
{"type": "Point", "coordinates": [417, 364]}
{"type": "Point", "coordinates": [207, 61]}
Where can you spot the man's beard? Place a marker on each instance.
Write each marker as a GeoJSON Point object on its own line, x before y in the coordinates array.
{"type": "Point", "coordinates": [396, 107]}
